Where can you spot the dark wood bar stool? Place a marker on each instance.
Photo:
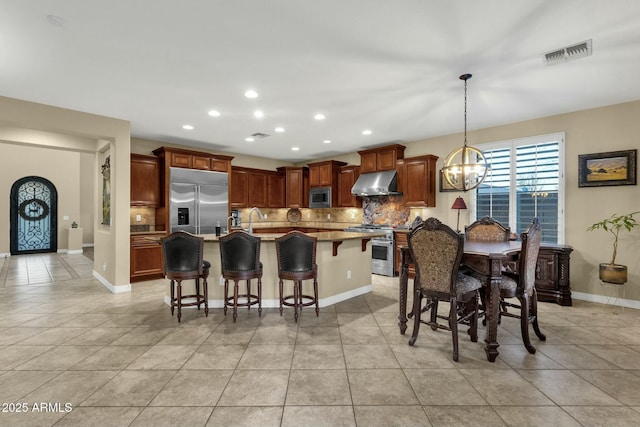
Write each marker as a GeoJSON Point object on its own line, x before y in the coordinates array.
{"type": "Point", "coordinates": [296, 254]}
{"type": "Point", "coordinates": [240, 258]}
{"type": "Point", "coordinates": [183, 261]}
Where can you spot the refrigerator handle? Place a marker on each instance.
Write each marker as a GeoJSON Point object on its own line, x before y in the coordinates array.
{"type": "Point", "coordinates": [197, 208]}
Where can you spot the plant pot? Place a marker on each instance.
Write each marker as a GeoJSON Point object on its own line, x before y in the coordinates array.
{"type": "Point", "coordinates": [613, 273]}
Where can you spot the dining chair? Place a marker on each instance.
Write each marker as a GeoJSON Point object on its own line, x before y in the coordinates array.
{"type": "Point", "coordinates": [437, 250]}
{"type": "Point", "coordinates": [487, 229]}
{"type": "Point", "coordinates": [296, 254]}
{"type": "Point", "coordinates": [183, 254]}
{"type": "Point", "coordinates": [521, 285]}
{"type": "Point", "coordinates": [240, 260]}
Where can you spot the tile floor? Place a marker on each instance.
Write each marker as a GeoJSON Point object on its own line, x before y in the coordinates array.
{"type": "Point", "coordinates": [122, 360]}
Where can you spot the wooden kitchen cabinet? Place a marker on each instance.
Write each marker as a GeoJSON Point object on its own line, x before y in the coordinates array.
{"type": "Point", "coordinates": [257, 189]}
{"type": "Point", "coordinates": [276, 197]}
{"type": "Point", "coordinates": [296, 186]}
{"type": "Point", "coordinates": [552, 274]}
{"type": "Point", "coordinates": [417, 181]}
{"type": "Point", "coordinates": [347, 176]}
{"type": "Point", "coordinates": [324, 174]}
{"type": "Point", "coordinates": [146, 261]}
{"type": "Point", "coordinates": [239, 188]}
{"type": "Point", "coordinates": [380, 159]}
{"type": "Point", "coordinates": [145, 180]}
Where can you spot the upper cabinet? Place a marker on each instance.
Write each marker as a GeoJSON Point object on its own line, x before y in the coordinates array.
{"type": "Point", "coordinates": [276, 197]}
{"type": "Point", "coordinates": [324, 174]}
{"type": "Point", "coordinates": [296, 185]}
{"type": "Point", "coordinates": [238, 188]}
{"type": "Point", "coordinates": [347, 176]}
{"type": "Point", "coordinates": [256, 188]}
{"type": "Point", "coordinates": [417, 181]}
{"type": "Point", "coordinates": [145, 180]}
{"type": "Point", "coordinates": [380, 159]}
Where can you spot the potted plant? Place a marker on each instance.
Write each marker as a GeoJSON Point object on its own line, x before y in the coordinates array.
{"type": "Point", "coordinates": [611, 272]}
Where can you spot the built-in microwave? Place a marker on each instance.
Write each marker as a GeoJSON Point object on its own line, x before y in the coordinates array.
{"type": "Point", "coordinates": [320, 197]}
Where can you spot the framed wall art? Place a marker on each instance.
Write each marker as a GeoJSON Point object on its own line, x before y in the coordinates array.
{"type": "Point", "coordinates": [605, 169]}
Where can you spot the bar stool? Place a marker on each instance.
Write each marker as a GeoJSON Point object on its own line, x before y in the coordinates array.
{"type": "Point", "coordinates": [240, 259]}
{"type": "Point", "coordinates": [182, 254]}
{"type": "Point", "coordinates": [296, 254]}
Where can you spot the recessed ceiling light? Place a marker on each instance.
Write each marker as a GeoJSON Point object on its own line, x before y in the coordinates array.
{"type": "Point", "coordinates": [327, 141]}
{"type": "Point", "coordinates": [251, 93]}
{"type": "Point", "coordinates": [187, 127]}
{"type": "Point", "coordinates": [279, 129]}
{"type": "Point", "coordinates": [367, 132]}
{"type": "Point", "coordinates": [258, 114]}
{"type": "Point", "coordinates": [214, 113]}
{"type": "Point", "coordinates": [249, 139]}
{"type": "Point", "coordinates": [295, 148]}
{"type": "Point", "coordinates": [319, 116]}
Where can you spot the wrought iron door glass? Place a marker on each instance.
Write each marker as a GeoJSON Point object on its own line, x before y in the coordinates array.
{"type": "Point", "coordinates": [33, 216]}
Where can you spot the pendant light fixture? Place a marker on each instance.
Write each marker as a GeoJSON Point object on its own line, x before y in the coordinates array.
{"type": "Point", "coordinates": [466, 167]}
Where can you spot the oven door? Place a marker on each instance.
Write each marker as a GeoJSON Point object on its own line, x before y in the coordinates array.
{"type": "Point", "coordinates": [382, 257]}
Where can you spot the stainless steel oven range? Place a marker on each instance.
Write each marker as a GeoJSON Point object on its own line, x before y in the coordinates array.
{"type": "Point", "coordinates": [382, 247]}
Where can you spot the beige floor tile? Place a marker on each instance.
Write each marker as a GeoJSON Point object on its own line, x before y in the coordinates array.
{"type": "Point", "coordinates": [15, 355]}
{"type": "Point", "coordinates": [353, 305]}
{"type": "Point", "coordinates": [231, 334]}
{"type": "Point", "coordinates": [618, 384]}
{"type": "Point", "coordinates": [356, 319]}
{"type": "Point", "coordinates": [603, 416]}
{"type": "Point", "coordinates": [574, 357]}
{"type": "Point", "coordinates": [265, 356]}
{"type": "Point", "coordinates": [269, 416]}
{"type": "Point", "coordinates": [186, 336]}
{"type": "Point", "coordinates": [142, 335]}
{"type": "Point", "coordinates": [130, 388]}
{"type": "Point", "coordinates": [362, 335]}
{"type": "Point", "coordinates": [380, 387]}
{"type": "Point", "coordinates": [621, 356]}
{"type": "Point", "coordinates": [318, 387]}
{"type": "Point", "coordinates": [423, 357]}
{"type": "Point", "coordinates": [505, 387]}
{"type": "Point", "coordinates": [170, 357]}
{"type": "Point", "coordinates": [534, 416]}
{"type": "Point", "coordinates": [71, 387]}
{"type": "Point", "coordinates": [370, 357]}
{"type": "Point", "coordinates": [223, 356]}
{"type": "Point", "coordinates": [99, 336]}
{"type": "Point", "coordinates": [282, 334]}
{"type": "Point", "coordinates": [463, 416]}
{"type": "Point", "coordinates": [318, 335]}
{"type": "Point", "coordinates": [16, 384]}
{"type": "Point", "coordinates": [566, 388]}
{"type": "Point", "coordinates": [517, 357]}
{"type": "Point", "coordinates": [193, 388]}
{"type": "Point", "coordinates": [59, 358]}
{"type": "Point", "coordinates": [105, 417]}
{"type": "Point", "coordinates": [443, 387]}
{"type": "Point", "coordinates": [54, 336]}
{"type": "Point", "coordinates": [15, 335]}
{"type": "Point", "coordinates": [390, 416]}
{"type": "Point", "coordinates": [112, 357]}
{"type": "Point", "coordinates": [172, 416]}
{"type": "Point", "coordinates": [89, 320]}
{"type": "Point", "coordinates": [326, 317]}
{"type": "Point", "coordinates": [294, 416]}
{"type": "Point", "coordinates": [318, 356]}
{"type": "Point", "coordinates": [256, 388]}
{"type": "Point", "coordinates": [31, 418]}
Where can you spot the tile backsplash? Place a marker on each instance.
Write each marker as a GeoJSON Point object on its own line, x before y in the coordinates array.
{"type": "Point", "coordinates": [385, 210]}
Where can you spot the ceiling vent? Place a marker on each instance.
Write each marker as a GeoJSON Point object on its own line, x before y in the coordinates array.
{"type": "Point", "coordinates": [578, 50]}
{"type": "Point", "coordinates": [259, 135]}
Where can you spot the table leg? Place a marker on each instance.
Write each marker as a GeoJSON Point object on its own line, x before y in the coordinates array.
{"type": "Point", "coordinates": [404, 278]}
{"type": "Point", "coordinates": [492, 310]}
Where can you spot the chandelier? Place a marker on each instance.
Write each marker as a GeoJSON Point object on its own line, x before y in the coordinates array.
{"type": "Point", "coordinates": [466, 167]}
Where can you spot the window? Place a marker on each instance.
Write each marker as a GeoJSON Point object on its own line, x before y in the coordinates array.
{"type": "Point", "coordinates": [526, 180]}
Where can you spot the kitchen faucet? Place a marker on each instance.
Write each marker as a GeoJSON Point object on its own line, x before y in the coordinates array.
{"type": "Point", "coordinates": [260, 216]}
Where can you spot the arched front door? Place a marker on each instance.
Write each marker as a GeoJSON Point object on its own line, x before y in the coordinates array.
{"type": "Point", "coordinates": [34, 218]}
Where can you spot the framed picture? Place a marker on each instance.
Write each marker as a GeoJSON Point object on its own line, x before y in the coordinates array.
{"type": "Point", "coordinates": [444, 184]}
{"type": "Point", "coordinates": [612, 168]}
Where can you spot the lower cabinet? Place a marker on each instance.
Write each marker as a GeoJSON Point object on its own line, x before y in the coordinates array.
{"type": "Point", "coordinates": [146, 261]}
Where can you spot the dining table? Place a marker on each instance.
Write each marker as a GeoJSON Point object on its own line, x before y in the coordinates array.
{"type": "Point", "coordinates": [486, 258]}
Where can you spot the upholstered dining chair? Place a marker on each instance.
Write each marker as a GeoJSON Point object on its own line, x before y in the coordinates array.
{"type": "Point", "coordinates": [521, 285]}
{"type": "Point", "coordinates": [487, 229]}
{"type": "Point", "coordinates": [240, 260]}
{"type": "Point", "coordinates": [296, 253]}
{"type": "Point", "coordinates": [183, 254]}
{"type": "Point", "coordinates": [437, 251]}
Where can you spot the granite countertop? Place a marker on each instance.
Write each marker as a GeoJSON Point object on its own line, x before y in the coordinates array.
{"type": "Point", "coordinates": [322, 236]}
{"type": "Point", "coordinates": [147, 233]}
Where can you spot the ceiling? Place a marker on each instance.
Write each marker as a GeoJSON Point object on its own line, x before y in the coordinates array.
{"type": "Point", "coordinates": [388, 66]}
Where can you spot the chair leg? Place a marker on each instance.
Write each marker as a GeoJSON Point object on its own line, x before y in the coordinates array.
{"type": "Point", "coordinates": [173, 296]}
{"type": "Point", "coordinates": [179, 302]}
{"type": "Point", "coordinates": [235, 300]}
{"type": "Point", "coordinates": [205, 287]}
{"type": "Point", "coordinates": [417, 300]}
{"type": "Point", "coordinates": [524, 323]}
{"type": "Point", "coordinates": [315, 295]}
{"type": "Point", "coordinates": [473, 327]}
{"type": "Point", "coordinates": [281, 289]}
{"type": "Point", "coordinates": [248, 294]}
{"type": "Point", "coordinates": [534, 315]}
{"type": "Point", "coordinates": [296, 298]}
{"type": "Point", "coordinates": [434, 313]}
{"type": "Point", "coordinates": [453, 324]}
{"type": "Point", "coordinates": [198, 302]}
{"type": "Point", "coordinates": [259, 296]}
{"type": "Point", "coordinates": [225, 301]}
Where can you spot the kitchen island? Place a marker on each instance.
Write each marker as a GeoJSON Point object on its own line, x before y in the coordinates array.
{"type": "Point", "coordinates": [344, 268]}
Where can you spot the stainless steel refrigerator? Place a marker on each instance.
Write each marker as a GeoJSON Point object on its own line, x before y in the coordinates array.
{"type": "Point", "coordinates": [199, 200]}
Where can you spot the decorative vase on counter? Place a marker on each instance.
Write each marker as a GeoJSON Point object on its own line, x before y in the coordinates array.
{"type": "Point", "coordinates": [74, 224]}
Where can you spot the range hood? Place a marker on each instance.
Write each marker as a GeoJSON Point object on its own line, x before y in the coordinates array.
{"type": "Point", "coordinates": [376, 184]}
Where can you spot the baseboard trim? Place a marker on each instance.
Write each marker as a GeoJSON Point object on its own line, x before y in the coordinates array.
{"type": "Point", "coordinates": [5, 255]}
{"type": "Point", "coordinates": [275, 303]}
{"type": "Point", "coordinates": [113, 289]}
{"type": "Point", "coordinates": [74, 251]}
{"type": "Point", "coordinates": [604, 299]}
